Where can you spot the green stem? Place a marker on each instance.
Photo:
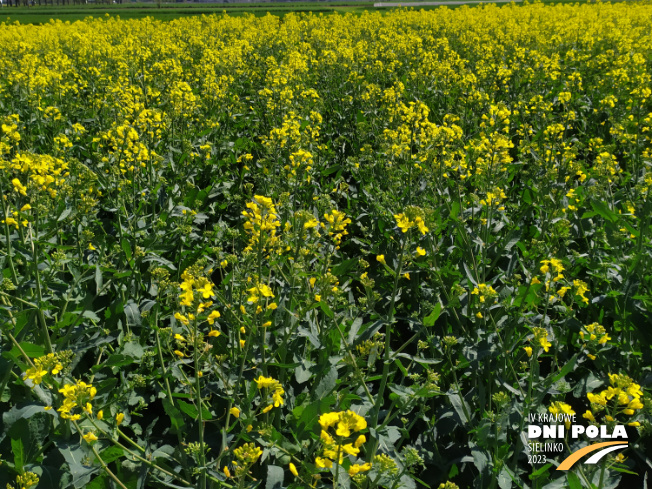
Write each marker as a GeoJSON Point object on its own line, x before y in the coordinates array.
{"type": "Point", "coordinates": [337, 468]}
{"type": "Point", "coordinates": [168, 390]}
{"type": "Point", "coordinates": [457, 386]}
{"type": "Point", "coordinates": [106, 468]}
{"type": "Point", "coordinates": [202, 448]}
{"type": "Point", "coordinates": [526, 410]}
{"type": "Point", "coordinates": [39, 293]}
{"type": "Point", "coordinates": [386, 359]}
{"type": "Point", "coordinates": [354, 363]}
{"type": "Point", "coordinates": [10, 253]}
{"type": "Point", "coordinates": [601, 483]}
{"type": "Point", "coordinates": [135, 455]}
{"type": "Point", "coordinates": [99, 458]}
{"type": "Point", "coordinates": [130, 441]}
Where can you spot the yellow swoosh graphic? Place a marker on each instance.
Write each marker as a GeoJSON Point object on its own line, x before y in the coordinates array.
{"type": "Point", "coordinates": [575, 456]}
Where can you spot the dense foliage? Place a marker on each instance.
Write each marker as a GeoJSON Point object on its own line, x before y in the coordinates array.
{"type": "Point", "coordinates": [325, 251]}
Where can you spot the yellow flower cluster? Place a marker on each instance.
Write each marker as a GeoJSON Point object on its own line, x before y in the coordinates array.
{"type": "Point", "coordinates": [541, 338]}
{"type": "Point", "coordinates": [261, 224]}
{"type": "Point", "coordinates": [50, 363]}
{"type": "Point", "coordinates": [493, 199]}
{"type": "Point", "coordinates": [300, 159]}
{"type": "Point", "coordinates": [556, 265]}
{"type": "Point", "coordinates": [581, 288]}
{"type": "Point", "coordinates": [594, 330]}
{"type": "Point", "coordinates": [595, 334]}
{"type": "Point", "coordinates": [90, 437]}
{"type": "Point", "coordinates": [77, 395]}
{"type": "Point", "coordinates": [274, 388]}
{"type": "Point", "coordinates": [413, 216]}
{"type": "Point", "coordinates": [558, 407]}
{"type": "Point", "coordinates": [337, 222]}
{"type": "Point", "coordinates": [192, 284]}
{"type": "Point", "coordinates": [130, 152]}
{"type": "Point", "coordinates": [561, 408]}
{"type": "Point", "coordinates": [483, 291]}
{"type": "Point", "coordinates": [404, 223]}
{"type": "Point", "coordinates": [625, 394]}
{"type": "Point", "coordinates": [25, 481]}
{"type": "Point", "coordinates": [40, 173]}
{"type": "Point", "coordinates": [9, 135]}
{"type": "Point", "coordinates": [246, 455]}
{"type": "Point", "coordinates": [260, 290]}
{"type": "Point", "coordinates": [573, 200]}
{"type": "Point", "coordinates": [346, 423]}
{"type": "Point", "coordinates": [15, 218]}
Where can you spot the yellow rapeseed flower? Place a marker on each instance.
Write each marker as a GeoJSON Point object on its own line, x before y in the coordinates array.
{"type": "Point", "coordinates": [90, 437]}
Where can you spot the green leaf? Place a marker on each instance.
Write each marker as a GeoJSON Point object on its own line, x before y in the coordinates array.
{"type": "Point", "coordinates": [469, 274]}
{"type": "Point", "coordinates": [455, 400]}
{"type": "Point", "coordinates": [126, 248]}
{"type": "Point", "coordinates": [540, 471]}
{"type": "Point", "coordinates": [187, 408]}
{"type": "Point", "coordinates": [573, 481]}
{"type": "Point", "coordinates": [307, 414]}
{"type": "Point", "coordinates": [343, 267]}
{"type": "Point", "coordinates": [355, 327]}
{"type": "Point", "coordinates": [158, 259]}
{"type": "Point", "coordinates": [18, 450]}
{"type": "Point", "coordinates": [165, 452]}
{"type": "Point", "coordinates": [369, 331]}
{"type": "Point", "coordinates": [89, 315]}
{"type": "Point", "coordinates": [100, 482]}
{"type": "Point", "coordinates": [74, 456]}
{"type": "Point", "coordinates": [176, 418]}
{"type": "Point", "coordinates": [64, 214]}
{"type": "Point", "coordinates": [430, 319]}
{"type": "Point", "coordinates": [275, 476]}
{"type": "Point", "coordinates": [327, 384]}
{"type": "Point", "coordinates": [481, 460]}
{"type": "Point", "coordinates": [302, 372]}
{"type": "Point", "coordinates": [117, 360]}
{"type": "Point", "coordinates": [565, 370]}
{"type": "Point", "coordinates": [191, 410]}
{"type": "Point", "coordinates": [400, 366]}
{"type": "Point", "coordinates": [112, 453]}
{"type": "Point", "coordinates": [330, 170]}
{"type": "Point", "coordinates": [133, 350]}
{"type": "Point", "coordinates": [98, 279]}
{"type": "Point", "coordinates": [505, 479]}
{"type": "Point", "coordinates": [26, 412]}
{"type": "Point", "coordinates": [132, 313]}
{"type": "Point", "coordinates": [327, 310]}
{"type": "Point", "coordinates": [387, 436]}
{"type": "Point", "coordinates": [603, 210]}
{"type": "Point", "coordinates": [31, 350]}
{"type": "Point", "coordinates": [630, 228]}
{"type": "Point", "coordinates": [455, 209]}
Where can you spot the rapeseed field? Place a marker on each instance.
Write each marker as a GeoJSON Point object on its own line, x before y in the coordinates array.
{"type": "Point", "coordinates": [398, 250]}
